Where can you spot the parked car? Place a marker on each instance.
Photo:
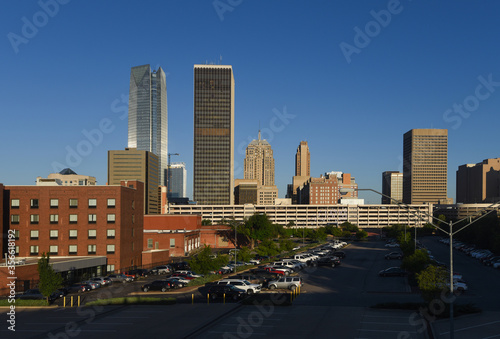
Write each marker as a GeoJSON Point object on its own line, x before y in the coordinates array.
{"type": "Point", "coordinates": [157, 285]}
{"type": "Point", "coordinates": [254, 279]}
{"type": "Point", "coordinates": [119, 278]}
{"type": "Point", "coordinates": [78, 287]}
{"type": "Point", "coordinates": [275, 269]}
{"type": "Point", "coordinates": [180, 266]}
{"type": "Point", "coordinates": [175, 283]}
{"type": "Point", "coordinates": [32, 294]}
{"type": "Point", "coordinates": [327, 261]}
{"type": "Point", "coordinates": [393, 272]}
{"type": "Point", "coordinates": [228, 291]}
{"type": "Point", "coordinates": [392, 244]}
{"type": "Point", "coordinates": [138, 272]}
{"type": "Point", "coordinates": [162, 269]}
{"type": "Point", "coordinates": [290, 283]}
{"type": "Point", "coordinates": [191, 273]}
{"type": "Point", "coordinates": [241, 284]}
{"type": "Point", "coordinates": [394, 255]}
{"type": "Point", "coordinates": [93, 284]}
{"type": "Point", "coordinates": [339, 254]}
{"type": "Point", "coordinates": [102, 281]}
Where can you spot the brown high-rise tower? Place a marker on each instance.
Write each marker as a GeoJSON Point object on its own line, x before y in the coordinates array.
{"type": "Point", "coordinates": [303, 160]}
{"type": "Point", "coordinates": [425, 165]}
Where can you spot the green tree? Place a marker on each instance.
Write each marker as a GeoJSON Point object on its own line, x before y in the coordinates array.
{"type": "Point", "coordinates": [416, 262]}
{"type": "Point", "coordinates": [206, 222]}
{"type": "Point", "coordinates": [203, 261]}
{"type": "Point", "coordinates": [267, 248]}
{"type": "Point", "coordinates": [50, 281]}
{"type": "Point", "coordinates": [244, 254]}
{"type": "Point", "coordinates": [431, 282]}
{"type": "Point", "coordinates": [259, 228]}
{"type": "Point", "coordinates": [361, 234]}
{"type": "Point", "coordinates": [347, 226]}
{"type": "Point", "coordinates": [286, 245]}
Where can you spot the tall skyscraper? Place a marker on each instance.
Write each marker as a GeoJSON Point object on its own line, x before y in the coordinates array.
{"type": "Point", "coordinates": [178, 180]}
{"type": "Point", "coordinates": [259, 162]}
{"type": "Point", "coordinates": [425, 165]}
{"type": "Point", "coordinates": [478, 183]}
{"type": "Point", "coordinates": [133, 164]}
{"type": "Point", "coordinates": [213, 170]}
{"type": "Point", "coordinates": [392, 186]}
{"type": "Point", "coordinates": [147, 114]}
{"type": "Point", "coordinates": [303, 160]}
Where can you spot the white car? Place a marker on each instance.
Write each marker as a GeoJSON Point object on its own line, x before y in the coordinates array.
{"type": "Point", "coordinates": [392, 245]}
{"type": "Point", "coordinates": [241, 284]}
{"type": "Point", "coordinates": [191, 273]}
{"type": "Point", "coordinates": [255, 261]}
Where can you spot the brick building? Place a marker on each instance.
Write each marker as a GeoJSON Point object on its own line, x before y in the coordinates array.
{"type": "Point", "coordinates": [76, 221]}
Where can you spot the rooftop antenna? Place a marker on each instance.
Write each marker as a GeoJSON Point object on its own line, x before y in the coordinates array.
{"type": "Point", "coordinates": [220, 59]}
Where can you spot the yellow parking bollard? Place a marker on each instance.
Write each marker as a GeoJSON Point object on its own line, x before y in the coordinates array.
{"type": "Point", "coordinates": [71, 305]}
{"type": "Point", "coordinates": [208, 298]}
{"type": "Point", "coordinates": [64, 301]}
{"type": "Point", "coordinates": [192, 299]}
{"type": "Point", "coordinates": [78, 301]}
{"type": "Point", "coordinates": [224, 297]}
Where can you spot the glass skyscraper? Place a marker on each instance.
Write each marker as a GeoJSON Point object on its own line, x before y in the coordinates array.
{"type": "Point", "coordinates": [178, 180]}
{"type": "Point", "coordinates": [147, 114]}
{"type": "Point", "coordinates": [213, 170]}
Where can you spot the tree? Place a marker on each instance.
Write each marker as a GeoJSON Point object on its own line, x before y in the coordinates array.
{"type": "Point", "coordinates": [431, 281]}
{"type": "Point", "coordinates": [259, 228]}
{"type": "Point", "coordinates": [203, 262]}
{"type": "Point", "coordinates": [361, 234]}
{"type": "Point", "coordinates": [416, 262]}
{"type": "Point", "coordinates": [206, 222]}
{"type": "Point", "coordinates": [244, 254]}
{"type": "Point", "coordinates": [267, 248]}
{"type": "Point", "coordinates": [347, 226]}
{"type": "Point", "coordinates": [50, 281]}
{"type": "Point", "coordinates": [286, 245]}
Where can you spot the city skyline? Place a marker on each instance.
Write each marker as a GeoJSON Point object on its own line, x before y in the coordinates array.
{"type": "Point", "coordinates": [312, 74]}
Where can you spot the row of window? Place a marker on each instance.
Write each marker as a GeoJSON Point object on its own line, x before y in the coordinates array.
{"type": "Point", "coordinates": [73, 234]}
{"type": "Point", "coordinates": [72, 249]}
{"type": "Point", "coordinates": [54, 218]}
{"type": "Point", "coordinates": [54, 203]}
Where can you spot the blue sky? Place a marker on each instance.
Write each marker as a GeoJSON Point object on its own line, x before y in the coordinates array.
{"type": "Point", "coordinates": [350, 77]}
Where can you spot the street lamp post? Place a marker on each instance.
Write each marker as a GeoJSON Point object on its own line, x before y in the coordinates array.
{"type": "Point", "coordinates": [450, 234]}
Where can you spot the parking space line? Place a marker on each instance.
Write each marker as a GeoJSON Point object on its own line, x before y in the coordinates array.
{"type": "Point", "coordinates": [383, 323]}
{"type": "Point", "coordinates": [219, 332]}
{"type": "Point", "coordinates": [470, 327]}
{"type": "Point", "coordinates": [385, 316]}
{"type": "Point", "coordinates": [368, 330]}
{"type": "Point", "coordinates": [493, 336]}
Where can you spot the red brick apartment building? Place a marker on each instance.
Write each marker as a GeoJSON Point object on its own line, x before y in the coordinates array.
{"type": "Point", "coordinates": [76, 221]}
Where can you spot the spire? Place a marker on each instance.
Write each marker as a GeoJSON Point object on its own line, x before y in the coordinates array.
{"type": "Point", "coordinates": [259, 134]}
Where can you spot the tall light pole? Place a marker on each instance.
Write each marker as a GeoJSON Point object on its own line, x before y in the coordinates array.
{"type": "Point", "coordinates": [450, 234]}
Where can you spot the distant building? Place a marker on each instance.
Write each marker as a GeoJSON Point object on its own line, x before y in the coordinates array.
{"type": "Point", "coordinates": [302, 171]}
{"type": "Point", "coordinates": [66, 178]}
{"type": "Point", "coordinates": [147, 115]}
{"type": "Point", "coordinates": [392, 187]}
{"type": "Point", "coordinates": [177, 180]}
{"type": "Point", "coordinates": [477, 183]}
{"type": "Point", "coordinates": [425, 165]}
{"type": "Point", "coordinates": [325, 190]}
{"type": "Point", "coordinates": [257, 187]}
{"type": "Point", "coordinates": [133, 164]}
{"type": "Point", "coordinates": [213, 167]}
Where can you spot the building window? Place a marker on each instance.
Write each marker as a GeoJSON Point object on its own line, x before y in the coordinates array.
{"type": "Point", "coordinates": [54, 203]}
{"type": "Point", "coordinates": [111, 203]}
{"type": "Point", "coordinates": [34, 218]}
{"type": "Point", "coordinates": [157, 245]}
{"type": "Point", "coordinates": [111, 233]}
{"type": "Point", "coordinates": [110, 249]}
{"type": "Point", "coordinates": [14, 219]}
{"type": "Point", "coordinates": [14, 203]}
{"type": "Point", "coordinates": [34, 203]}
{"type": "Point", "coordinates": [73, 234]}
{"type": "Point", "coordinates": [92, 218]}
{"type": "Point", "coordinates": [17, 250]}
{"type": "Point", "coordinates": [150, 243]}
{"type": "Point", "coordinates": [33, 250]}
{"type": "Point", "coordinates": [34, 234]}
{"type": "Point", "coordinates": [73, 218]}
{"type": "Point", "coordinates": [16, 234]}
{"type": "Point", "coordinates": [54, 218]}
{"type": "Point", "coordinates": [133, 204]}
{"type": "Point", "coordinates": [111, 218]}
{"type": "Point", "coordinates": [73, 203]}
{"type": "Point", "coordinates": [54, 249]}
{"type": "Point", "coordinates": [133, 218]}
{"type": "Point", "coordinates": [172, 243]}
{"type": "Point", "coordinates": [73, 249]}
{"type": "Point", "coordinates": [92, 203]}
{"type": "Point", "coordinates": [110, 268]}
{"type": "Point", "coordinates": [54, 234]}
{"type": "Point", "coordinates": [92, 249]}
{"type": "Point", "coordinates": [92, 234]}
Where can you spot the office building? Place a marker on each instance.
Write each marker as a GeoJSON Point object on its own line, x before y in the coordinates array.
{"type": "Point", "coordinates": [325, 190]}
{"type": "Point", "coordinates": [77, 221]}
{"type": "Point", "coordinates": [245, 191]}
{"type": "Point", "coordinates": [67, 177]}
{"type": "Point", "coordinates": [133, 164]}
{"type": "Point", "coordinates": [392, 187]}
{"type": "Point", "coordinates": [303, 160]}
{"type": "Point", "coordinates": [425, 165]}
{"type": "Point", "coordinates": [177, 180]}
{"type": "Point", "coordinates": [259, 162]}
{"type": "Point", "coordinates": [213, 169]}
{"type": "Point", "coordinates": [477, 183]}
{"type": "Point", "coordinates": [147, 114]}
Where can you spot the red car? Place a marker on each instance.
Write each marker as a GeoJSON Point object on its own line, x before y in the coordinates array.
{"type": "Point", "coordinates": [274, 271]}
